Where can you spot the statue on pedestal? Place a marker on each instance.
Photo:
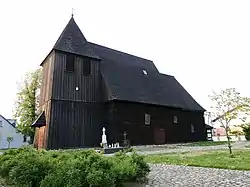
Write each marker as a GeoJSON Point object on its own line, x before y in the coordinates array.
{"type": "Point", "coordinates": [104, 138]}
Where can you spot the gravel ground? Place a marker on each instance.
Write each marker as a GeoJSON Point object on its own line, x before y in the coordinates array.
{"type": "Point", "coordinates": [172, 175]}
{"type": "Point", "coordinates": [175, 148]}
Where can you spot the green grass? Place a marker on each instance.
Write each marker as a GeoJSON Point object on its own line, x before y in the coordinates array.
{"type": "Point", "coordinates": [248, 146]}
{"type": "Point", "coordinates": [206, 143]}
{"type": "Point", "coordinates": [214, 159]}
{"type": "Point", "coordinates": [4, 150]}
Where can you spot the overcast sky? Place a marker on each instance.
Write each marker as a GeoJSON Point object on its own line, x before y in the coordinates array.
{"type": "Point", "coordinates": [204, 44]}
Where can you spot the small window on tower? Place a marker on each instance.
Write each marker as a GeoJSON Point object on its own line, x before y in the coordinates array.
{"type": "Point", "coordinates": [86, 66]}
{"type": "Point", "coordinates": [1, 123]}
{"type": "Point", "coordinates": [70, 63]}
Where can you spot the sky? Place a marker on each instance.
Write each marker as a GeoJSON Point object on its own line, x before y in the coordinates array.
{"type": "Point", "coordinates": [204, 44]}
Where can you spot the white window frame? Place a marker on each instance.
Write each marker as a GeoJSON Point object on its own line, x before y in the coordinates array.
{"type": "Point", "coordinates": [175, 119]}
{"type": "Point", "coordinates": [192, 128]}
{"type": "Point", "coordinates": [147, 119]}
{"type": "Point", "coordinates": [144, 72]}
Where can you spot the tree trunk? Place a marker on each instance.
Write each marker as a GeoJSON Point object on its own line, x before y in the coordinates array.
{"type": "Point", "coordinates": [8, 145]}
{"type": "Point", "coordinates": [228, 142]}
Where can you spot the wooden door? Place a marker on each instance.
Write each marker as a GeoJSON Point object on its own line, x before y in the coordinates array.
{"type": "Point", "coordinates": [159, 135]}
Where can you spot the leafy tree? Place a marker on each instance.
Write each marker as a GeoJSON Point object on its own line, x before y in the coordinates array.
{"type": "Point", "coordinates": [236, 133]}
{"type": "Point", "coordinates": [26, 106]}
{"type": "Point", "coordinates": [229, 105]}
{"type": "Point", "coordinates": [9, 140]}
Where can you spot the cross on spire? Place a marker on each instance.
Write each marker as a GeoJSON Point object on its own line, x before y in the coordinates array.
{"type": "Point", "coordinates": [72, 13]}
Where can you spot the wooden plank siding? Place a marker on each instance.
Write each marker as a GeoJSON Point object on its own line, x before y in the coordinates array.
{"type": "Point", "coordinates": [65, 83]}
{"type": "Point", "coordinates": [47, 79]}
{"type": "Point", "coordinates": [75, 124]}
{"type": "Point", "coordinates": [76, 115]}
{"type": "Point", "coordinates": [45, 99]}
{"type": "Point", "coordinates": [46, 107]}
{"type": "Point", "coordinates": [130, 117]}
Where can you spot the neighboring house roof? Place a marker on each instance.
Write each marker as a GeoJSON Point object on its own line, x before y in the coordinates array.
{"type": "Point", "coordinates": [123, 73]}
{"type": "Point", "coordinates": [12, 124]}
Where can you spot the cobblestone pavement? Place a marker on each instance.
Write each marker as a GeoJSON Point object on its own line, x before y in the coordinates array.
{"type": "Point", "coordinates": [186, 176]}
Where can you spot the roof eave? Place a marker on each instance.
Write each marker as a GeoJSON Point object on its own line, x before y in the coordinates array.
{"type": "Point", "coordinates": [155, 104]}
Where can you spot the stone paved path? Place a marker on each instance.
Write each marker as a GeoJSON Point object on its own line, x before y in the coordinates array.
{"type": "Point", "coordinates": [186, 176]}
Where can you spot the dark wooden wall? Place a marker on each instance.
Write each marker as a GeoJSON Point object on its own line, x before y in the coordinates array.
{"type": "Point", "coordinates": [45, 97]}
{"type": "Point", "coordinates": [65, 83]}
{"type": "Point", "coordinates": [47, 79]}
{"type": "Point", "coordinates": [76, 115]}
{"type": "Point", "coordinates": [75, 124]}
{"type": "Point", "coordinates": [125, 116]}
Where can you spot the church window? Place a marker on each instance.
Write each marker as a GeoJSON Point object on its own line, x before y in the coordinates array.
{"type": "Point", "coordinates": [86, 66]}
{"type": "Point", "coordinates": [175, 119]}
{"type": "Point", "coordinates": [144, 72]}
{"type": "Point", "coordinates": [70, 63]}
{"type": "Point", "coordinates": [147, 119]}
{"type": "Point", "coordinates": [192, 128]}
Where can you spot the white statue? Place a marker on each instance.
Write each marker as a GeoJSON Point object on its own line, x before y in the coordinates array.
{"type": "Point", "coordinates": [104, 137]}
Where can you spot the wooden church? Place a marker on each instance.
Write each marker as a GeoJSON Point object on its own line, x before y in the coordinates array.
{"type": "Point", "coordinates": [86, 87]}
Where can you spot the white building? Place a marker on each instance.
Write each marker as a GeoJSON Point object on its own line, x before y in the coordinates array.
{"type": "Point", "coordinates": [7, 129]}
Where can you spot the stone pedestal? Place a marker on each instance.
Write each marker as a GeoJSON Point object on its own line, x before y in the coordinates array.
{"type": "Point", "coordinates": [111, 150]}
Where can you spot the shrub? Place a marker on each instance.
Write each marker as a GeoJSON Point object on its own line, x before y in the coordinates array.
{"type": "Point", "coordinates": [246, 130]}
{"type": "Point", "coordinates": [30, 171]}
{"type": "Point", "coordinates": [29, 167]}
{"type": "Point", "coordinates": [68, 173]}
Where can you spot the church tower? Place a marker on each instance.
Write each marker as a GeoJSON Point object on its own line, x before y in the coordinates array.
{"type": "Point", "coordinates": [70, 95]}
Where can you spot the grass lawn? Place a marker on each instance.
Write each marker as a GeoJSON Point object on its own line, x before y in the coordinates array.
{"type": "Point", "coordinates": [3, 150]}
{"type": "Point", "coordinates": [215, 159]}
{"type": "Point", "coordinates": [248, 146]}
{"type": "Point", "coordinates": [206, 143]}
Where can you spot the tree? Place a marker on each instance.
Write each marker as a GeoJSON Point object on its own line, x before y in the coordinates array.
{"type": "Point", "coordinates": [9, 140]}
{"type": "Point", "coordinates": [229, 105]}
{"type": "Point", "coordinates": [237, 133]}
{"type": "Point", "coordinates": [26, 106]}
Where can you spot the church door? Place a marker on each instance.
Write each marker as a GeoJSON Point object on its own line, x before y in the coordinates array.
{"type": "Point", "coordinates": [159, 135]}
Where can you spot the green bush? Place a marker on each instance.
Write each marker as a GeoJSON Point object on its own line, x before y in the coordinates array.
{"type": "Point", "coordinates": [29, 167]}
{"type": "Point", "coordinates": [246, 130]}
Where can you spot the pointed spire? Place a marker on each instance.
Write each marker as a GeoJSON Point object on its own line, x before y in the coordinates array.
{"type": "Point", "coordinates": [72, 40]}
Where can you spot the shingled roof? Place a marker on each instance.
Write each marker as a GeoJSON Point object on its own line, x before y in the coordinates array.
{"type": "Point", "coordinates": [131, 84]}
{"type": "Point", "coordinates": [124, 74]}
{"type": "Point", "coordinates": [72, 40]}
